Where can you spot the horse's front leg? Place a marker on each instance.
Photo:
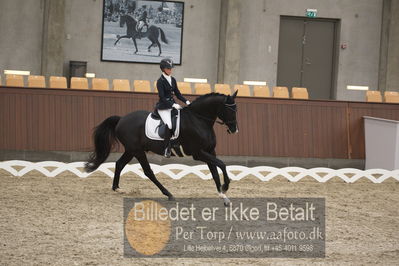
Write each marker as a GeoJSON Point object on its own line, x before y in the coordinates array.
{"type": "Point", "coordinates": [149, 47]}
{"type": "Point", "coordinates": [219, 163]}
{"type": "Point", "coordinates": [215, 175]}
{"type": "Point", "coordinates": [213, 162]}
{"type": "Point", "coordinates": [120, 37]}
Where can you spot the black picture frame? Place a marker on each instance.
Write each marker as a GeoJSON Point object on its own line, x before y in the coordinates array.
{"type": "Point", "coordinates": [119, 18]}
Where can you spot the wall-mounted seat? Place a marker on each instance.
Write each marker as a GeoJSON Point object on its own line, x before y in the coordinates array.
{"type": "Point", "coordinates": [281, 92]}
{"type": "Point", "coordinates": [391, 96]}
{"type": "Point", "coordinates": [155, 86]}
{"type": "Point", "coordinates": [142, 86]}
{"type": "Point", "coordinates": [36, 81]}
{"type": "Point", "coordinates": [14, 80]}
{"type": "Point", "coordinates": [58, 82]}
{"type": "Point", "coordinates": [300, 93]}
{"type": "Point", "coordinates": [121, 85]}
{"type": "Point", "coordinates": [261, 91]}
{"type": "Point", "coordinates": [243, 90]}
{"type": "Point", "coordinates": [79, 83]}
{"type": "Point", "coordinates": [223, 89]}
{"type": "Point", "coordinates": [202, 88]}
{"type": "Point", "coordinates": [184, 87]}
{"type": "Point", "coordinates": [100, 84]}
{"type": "Point", "coordinates": [373, 96]}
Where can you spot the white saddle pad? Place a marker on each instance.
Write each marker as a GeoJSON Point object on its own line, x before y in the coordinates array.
{"type": "Point", "coordinates": [151, 128]}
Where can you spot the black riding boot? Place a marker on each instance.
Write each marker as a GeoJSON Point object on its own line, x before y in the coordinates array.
{"type": "Point", "coordinates": [167, 144]}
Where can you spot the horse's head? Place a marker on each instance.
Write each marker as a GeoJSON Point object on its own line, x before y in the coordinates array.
{"type": "Point", "coordinates": [211, 106]}
{"type": "Point", "coordinates": [228, 114]}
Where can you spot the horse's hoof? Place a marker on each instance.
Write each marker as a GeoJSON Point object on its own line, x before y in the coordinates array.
{"type": "Point", "coordinates": [135, 52]}
{"type": "Point", "coordinates": [226, 202]}
{"type": "Point", "coordinates": [120, 191]}
{"type": "Point", "coordinates": [225, 187]}
{"type": "Point", "coordinates": [171, 198]}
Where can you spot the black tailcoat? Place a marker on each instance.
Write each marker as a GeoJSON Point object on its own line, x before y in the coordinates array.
{"type": "Point", "coordinates": [165, 92]}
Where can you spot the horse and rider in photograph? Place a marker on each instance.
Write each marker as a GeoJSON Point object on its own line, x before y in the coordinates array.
{"type": "Point", "coordinates": [196, 134]}
{"type": "Point", "coordinates": [135, 31]}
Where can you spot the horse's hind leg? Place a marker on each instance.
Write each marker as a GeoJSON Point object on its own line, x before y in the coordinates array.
{"type": "Point", "coordinates": [135, 44]}
{"type": "Point", "coordinates": [120, 164]}
{"type": "Point", "coordinates": [159, 46]}
{"type": "Point", "coordinates": [142, 158]}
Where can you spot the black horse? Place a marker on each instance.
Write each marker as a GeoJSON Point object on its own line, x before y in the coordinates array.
{"type": "Point", "coordinates": [152, 33]}
{"type": "Point", "coordinates": [197, 138]}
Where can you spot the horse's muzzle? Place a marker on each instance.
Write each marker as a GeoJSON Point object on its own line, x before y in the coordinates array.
{"type": "Point", "coordinates": [230, 132]}
{"type": "Point", "coordinates": [232, 129]}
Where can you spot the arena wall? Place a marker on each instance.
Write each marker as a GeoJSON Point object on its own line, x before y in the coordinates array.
{"type": "Point", "coordinates": [360, 30]}
{"type": "Point", "coordinates": [62, 120]}
{"type": "Point", "coordinates": [255, 24]}
{"type": "Point", "coordinates": [21, 30]}
{"type": "Point", "coordinates": [200, 42]}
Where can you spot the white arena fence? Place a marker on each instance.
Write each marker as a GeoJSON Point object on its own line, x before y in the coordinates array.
{"type": "Point", "coordinates": [178, 171]}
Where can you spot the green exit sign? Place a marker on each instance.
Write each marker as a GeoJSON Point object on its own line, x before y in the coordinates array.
{"type": "Point", "coordinates": [311, 13]}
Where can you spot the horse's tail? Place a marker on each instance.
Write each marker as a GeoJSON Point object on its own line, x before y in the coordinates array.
{"type": "Point", "coordinates": [163, 37]}
{"type": "Point", "coordinates": [104, 139]}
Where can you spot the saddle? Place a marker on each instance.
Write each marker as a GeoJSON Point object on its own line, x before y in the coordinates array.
{"type": "Point", "coordinates": [140, 27]}
{"type": "Point", "coordinates": [155, 128]}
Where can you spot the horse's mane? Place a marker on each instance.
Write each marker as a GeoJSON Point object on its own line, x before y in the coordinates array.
{"type": "Point", "coordinates": [206, 96]}
{"type": "Point", "coordinates": [128, 17]}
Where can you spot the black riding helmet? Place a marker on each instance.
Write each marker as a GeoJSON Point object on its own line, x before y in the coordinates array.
{"type": "Point", "coordinates": [166, 63]}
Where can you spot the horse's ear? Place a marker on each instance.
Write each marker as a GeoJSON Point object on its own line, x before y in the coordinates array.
{"type": "Point", "coordinates": [234, 94]}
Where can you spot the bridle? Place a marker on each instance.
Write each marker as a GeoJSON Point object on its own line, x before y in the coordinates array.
{"type": "Point", "coordinates": [229, 107]}
{"type": "Point", "coordinates": [226, 105]}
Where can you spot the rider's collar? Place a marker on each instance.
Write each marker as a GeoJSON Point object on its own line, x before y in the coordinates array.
{"type": "Point", "coordinates": [168, 78]}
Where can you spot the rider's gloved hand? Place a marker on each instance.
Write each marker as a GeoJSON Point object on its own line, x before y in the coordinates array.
{"type": "Point", "coordinates": [176, 106]}
{"type": "Point", "coordinates": [188, 102]}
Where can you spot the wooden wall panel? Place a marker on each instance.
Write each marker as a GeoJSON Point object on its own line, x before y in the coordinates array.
{"type": "Point", "coordinates": [63, 120]}
{"type": "Point", "coordinates": [275, 127]}
{"type": "Point", "coordinates": [329, 131]}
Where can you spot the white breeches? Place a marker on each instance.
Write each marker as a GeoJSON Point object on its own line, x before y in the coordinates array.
{"type": "Point", "coordinates": [166, 117]}
{"type": "Point", "coordinates": [141, 25]}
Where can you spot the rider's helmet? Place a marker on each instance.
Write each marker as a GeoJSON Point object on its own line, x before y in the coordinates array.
{"type": "Point", "coordinates": [166, 63]}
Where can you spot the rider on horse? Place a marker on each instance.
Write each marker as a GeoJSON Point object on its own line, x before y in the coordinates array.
{"type": "Point", "coordinates": [167, 86]}
{"type": "Point", "coordinates": [142, 22]}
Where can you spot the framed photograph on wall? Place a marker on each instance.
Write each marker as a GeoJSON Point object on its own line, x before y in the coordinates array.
{"type": "Point", "coordinates": [137, 31]}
